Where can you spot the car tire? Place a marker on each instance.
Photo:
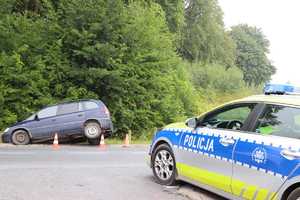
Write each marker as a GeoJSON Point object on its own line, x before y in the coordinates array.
{"type": "Point", "coordinates": [295, 194]}
{"type": "Point", "coordinates": [163, 165]}
{"type": "Point", "coordinates": [20, 137]}
{"type": "Point", "coordinates": [94, 141]}
{"type": "Point", "coordinates": [92, 130]}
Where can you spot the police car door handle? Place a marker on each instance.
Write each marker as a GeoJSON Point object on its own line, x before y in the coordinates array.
{"type": "Point", "coordinates": [290, 155]}
{"type": "Point", "coordinates": [227, 141]}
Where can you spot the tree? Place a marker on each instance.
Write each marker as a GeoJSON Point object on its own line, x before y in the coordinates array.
{"type": "Point", "coordinates": [204, 38]}
{"type": "Point", "coordinates": [124, 52]}
{"type": "Point", "coordinates": [35, 7]}
{"type": "Point", "coordinates": [23, 71]}
{"type": "Point", "coordinates": [252, 49]}
{"type": "Point", "coordinates": [174, 11]}
{"type": "Point", "coordinates": [125, 55]}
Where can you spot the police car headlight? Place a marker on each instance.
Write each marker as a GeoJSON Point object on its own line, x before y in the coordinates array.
{"type": "Point", "coordinates": [6, 130]}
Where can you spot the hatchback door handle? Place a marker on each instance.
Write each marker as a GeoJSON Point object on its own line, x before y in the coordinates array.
{"type": "Point", "coordinates": [290, 155]}
{"type": "Point", "coordinates": [227, 141]}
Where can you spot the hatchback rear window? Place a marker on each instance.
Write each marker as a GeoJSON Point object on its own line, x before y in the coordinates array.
{"type": "Point", "coordinates": [88, 105]}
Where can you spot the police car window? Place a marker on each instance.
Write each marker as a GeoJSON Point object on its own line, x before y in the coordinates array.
{"type": "Point", "coordinates": [281, 121]}
{"type": "Point", "coordinates": [229, 118]}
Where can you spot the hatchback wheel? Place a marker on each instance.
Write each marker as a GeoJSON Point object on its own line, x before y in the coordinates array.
{"type": "Point", "coordinates": [92, 130]}
{"type": "Point", "coordinates": [163, 165]}
{"type": "Point", "coordinates": [94, 141]}
{"type": "Point", "coordinates": [20, 137]}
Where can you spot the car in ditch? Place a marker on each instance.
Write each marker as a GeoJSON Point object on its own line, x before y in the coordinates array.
{"type": "Point", "coordinates": [245, 149]}
{"type": "Point", "coordinates": [71, 121]}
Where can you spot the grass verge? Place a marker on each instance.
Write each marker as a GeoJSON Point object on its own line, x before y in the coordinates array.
{"type": "Point", "coordinates": [119, 141]}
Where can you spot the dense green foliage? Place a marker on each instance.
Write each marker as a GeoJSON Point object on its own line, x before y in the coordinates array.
{"type": "Point", "coordinates": [204, 38]}
{"type": "Point", "coordinates": [252, 49]}
{"type": "Point", "coordinates": [151, 62]}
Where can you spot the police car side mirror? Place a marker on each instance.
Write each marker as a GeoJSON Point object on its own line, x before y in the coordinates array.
{"type": "Point", "coordinates": [191, 123]}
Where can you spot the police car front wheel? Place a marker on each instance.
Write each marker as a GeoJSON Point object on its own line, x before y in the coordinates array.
{"type": "Point", "coordinates": [294, 195]}
{"type": "Point", "coordinates": [163, 165]}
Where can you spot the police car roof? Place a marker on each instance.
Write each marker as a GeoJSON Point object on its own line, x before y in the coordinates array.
{"type": "Point", "coordinates": [277, 99]}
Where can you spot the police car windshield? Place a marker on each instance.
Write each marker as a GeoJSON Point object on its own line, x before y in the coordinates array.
{"type": "Point", "coordinates": [229, 117]}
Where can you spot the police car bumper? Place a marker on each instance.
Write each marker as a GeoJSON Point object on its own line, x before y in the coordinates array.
{"type": "Point", "coordinates": [148, 160]}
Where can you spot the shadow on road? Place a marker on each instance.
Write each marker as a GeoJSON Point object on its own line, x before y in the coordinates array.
{"type": "Point", "coordinates": [187, 190]}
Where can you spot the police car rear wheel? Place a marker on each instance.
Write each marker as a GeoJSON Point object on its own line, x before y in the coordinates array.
{"type": "Point", "coordinates": [295, 195]}
{"type": "Point", "coordinates": [163, 165]}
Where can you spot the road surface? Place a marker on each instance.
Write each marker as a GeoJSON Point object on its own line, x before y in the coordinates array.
{"type": "Point", "coordinates": [79, 172]}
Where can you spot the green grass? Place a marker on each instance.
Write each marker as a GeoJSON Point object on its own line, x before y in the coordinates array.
{"type": "Point", "coordinates": [118, 141]}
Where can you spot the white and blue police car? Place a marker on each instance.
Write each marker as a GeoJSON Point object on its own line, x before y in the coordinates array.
{"type": "Point", "coordinates": [245, 149]}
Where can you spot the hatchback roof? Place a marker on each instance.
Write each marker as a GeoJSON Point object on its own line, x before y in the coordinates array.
{"type": "Point", "coordinates": [72, 101]}
{"type": "Point", "coordinates": [78, 100]}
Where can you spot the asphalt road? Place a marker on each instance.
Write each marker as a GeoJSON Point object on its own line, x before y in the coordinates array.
{"type": "Point", "coordinates": [79, 172]}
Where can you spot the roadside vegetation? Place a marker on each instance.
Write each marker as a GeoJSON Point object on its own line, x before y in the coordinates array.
{"type": "Point", "coordinates": [152, 62]}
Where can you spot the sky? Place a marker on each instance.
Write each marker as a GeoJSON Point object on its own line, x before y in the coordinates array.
{"type": "Point", "coordinates": [280, 22]}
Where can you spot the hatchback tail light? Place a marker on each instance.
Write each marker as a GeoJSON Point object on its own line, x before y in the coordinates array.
{"type": "Point", "coordinates": [104, 110]}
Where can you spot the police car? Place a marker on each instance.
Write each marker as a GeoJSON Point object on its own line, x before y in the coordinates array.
{"type": "Point", "coordinates": [245, 149]}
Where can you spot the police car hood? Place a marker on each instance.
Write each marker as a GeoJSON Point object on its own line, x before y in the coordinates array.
{"type": "Point", "coordinates": [176, 125]}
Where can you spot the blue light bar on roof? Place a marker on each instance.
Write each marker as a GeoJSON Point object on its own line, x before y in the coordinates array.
{"type": "Point", "coordinates": [271, 88]}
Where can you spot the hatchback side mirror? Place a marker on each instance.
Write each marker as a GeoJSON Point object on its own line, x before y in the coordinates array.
{"type": "Point", "coordinates": [36, 118]}
{"type": "Point", "coordinates": [191, 123]}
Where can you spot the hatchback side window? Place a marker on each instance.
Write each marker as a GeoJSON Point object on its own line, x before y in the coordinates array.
{"type": "Point", "coordinates": [68, 108]}
{"type": "Point", "coordinates": [231, 117]}
{"type": "Point", "coordinates": [281, 121]}
{"type": "Point", "coordinates": [89, 105]}
{"type": "Point", "coordinates": [47, 112]}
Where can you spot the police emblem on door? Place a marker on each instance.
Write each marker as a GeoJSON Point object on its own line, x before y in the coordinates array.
{"type": "Point", "coordinates": [259, 155]}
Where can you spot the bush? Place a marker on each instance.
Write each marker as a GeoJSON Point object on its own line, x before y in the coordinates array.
{"type": "Point", "coordinates": [217, 77]}
{"type": "Point", "coordinates": [217, 84]}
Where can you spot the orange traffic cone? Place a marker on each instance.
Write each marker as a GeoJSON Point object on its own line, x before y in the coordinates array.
{"type": "Point", "coordinates": [126, 141]}
{"type": "Point", "coordinates": [102, 144]}
{"type": "Point", "coordinates": [55, 142]}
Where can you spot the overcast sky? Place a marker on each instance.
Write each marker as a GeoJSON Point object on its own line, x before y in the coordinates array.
{"type": "Point", "coordinates": [280, 22]}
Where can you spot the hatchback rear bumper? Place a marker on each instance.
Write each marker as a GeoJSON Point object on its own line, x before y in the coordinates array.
{"type": "Point", "coordinates": [106, 125]}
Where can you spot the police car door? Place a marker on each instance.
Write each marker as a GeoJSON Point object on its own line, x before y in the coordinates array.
{"type": "Point", "coordinates": [207, 152]}
{"type": "Point", "coordinates": [266, 157]}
